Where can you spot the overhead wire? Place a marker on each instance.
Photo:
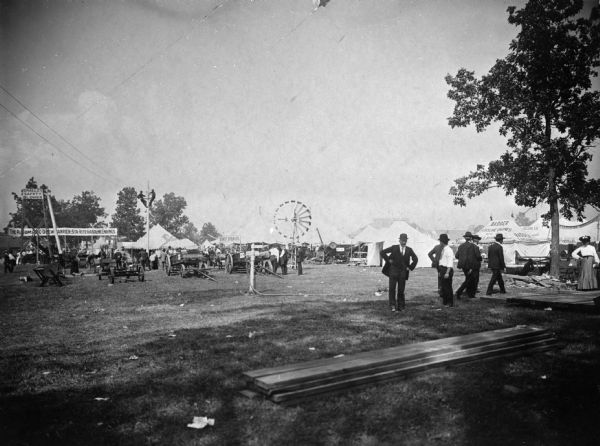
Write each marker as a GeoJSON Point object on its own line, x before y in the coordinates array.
{"type": "Point", "coordinates": [60, 136]}
{"type": "Point", "coordinates": [26, 124]}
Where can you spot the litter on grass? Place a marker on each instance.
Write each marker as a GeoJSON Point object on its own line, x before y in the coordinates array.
{"type": "Point", "coordinates": [201, 422]}
{"type": "Point", "coordinates": [133, 358]}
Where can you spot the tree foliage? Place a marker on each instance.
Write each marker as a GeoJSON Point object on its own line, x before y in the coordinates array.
{"type": "Point", "coordinates": [168, 212]}
{"type": "Point", "coordinates": [83, 211]}
{"type": "Point", "coordinates": [29, 212]}
{"type": "Point", "coordinates": [209, 232]}
{"type": "Point", "coordinates": [541, 96]}
{"type": "Point", "coordinates": [127, 219]}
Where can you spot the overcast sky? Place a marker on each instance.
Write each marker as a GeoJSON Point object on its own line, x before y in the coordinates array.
{"type": "Point", "coordinates": [240, 105]}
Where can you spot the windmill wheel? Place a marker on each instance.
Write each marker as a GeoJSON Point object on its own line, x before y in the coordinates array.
{"type": "Point", "coordinates": [292, 219]}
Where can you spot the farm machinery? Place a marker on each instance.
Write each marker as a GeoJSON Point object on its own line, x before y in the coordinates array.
{"type": "Point", "coordinates": [189, 263]}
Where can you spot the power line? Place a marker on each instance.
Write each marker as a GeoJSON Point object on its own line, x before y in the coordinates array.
{"type": "Point", "coordinates": [70, 144]}
{"type": "Point", "coordinates": [51, 143]}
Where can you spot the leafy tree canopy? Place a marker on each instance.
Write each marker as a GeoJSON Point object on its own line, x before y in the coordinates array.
{"type": "Point", "coordinates": [209, 232]}
{"type": "Point", "coordinates": [168, 212]}
{"type": "Point", "coordinates": [541, 96]}
{"type": "Point", "coordinates": [127, 219]}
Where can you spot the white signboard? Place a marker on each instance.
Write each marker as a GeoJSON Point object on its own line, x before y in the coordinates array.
{"type": "Point", "coordinates": [228, 239]}
{"type": "Point", "coordinates": [32, 194]}
{"type": "Point", "coordinates": [73, 232]}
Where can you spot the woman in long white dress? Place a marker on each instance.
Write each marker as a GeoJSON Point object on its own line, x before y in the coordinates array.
{"type": "Point", "coordinates": [587, 257]}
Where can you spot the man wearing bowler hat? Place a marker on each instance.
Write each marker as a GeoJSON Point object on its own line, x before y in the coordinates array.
{"type": "Point", "coordinates": [496, 264]}
{"type": "Point", "coordinates": [469, 260]}
{"type": "Point", "coordinates": [401, 259]}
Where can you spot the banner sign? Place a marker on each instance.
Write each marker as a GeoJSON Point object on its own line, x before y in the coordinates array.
{"type": "Point", "coordinates": [73, 232]}
{"type": "Point", "coordinates": [32, 194]}
{"type": "Point", "coordinates": [228, 239]}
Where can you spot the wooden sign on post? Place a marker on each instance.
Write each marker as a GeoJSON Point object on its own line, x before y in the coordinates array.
{"type": "Point", "coordinates": [32, 194]}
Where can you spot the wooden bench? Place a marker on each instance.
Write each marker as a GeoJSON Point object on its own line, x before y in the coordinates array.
{"type": "Point", "coordinates": [48, 274]}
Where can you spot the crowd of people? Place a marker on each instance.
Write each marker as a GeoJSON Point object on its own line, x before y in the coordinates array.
{"type": "Point", "coordinates": [400, 259]}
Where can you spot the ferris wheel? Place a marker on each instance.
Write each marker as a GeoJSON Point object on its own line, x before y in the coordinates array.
{"type": "Point", "coordinates": [292, 219]}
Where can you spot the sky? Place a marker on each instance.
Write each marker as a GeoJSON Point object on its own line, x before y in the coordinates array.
{"type": "Point", "coordinates": [240, 105]}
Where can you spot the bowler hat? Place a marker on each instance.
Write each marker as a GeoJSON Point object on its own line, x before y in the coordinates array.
{"type": "Point", "coordinates": [468, 235]}
{"type": "Point", "coordinates": [499, 237]}
{"type": "Point", "coordinates": [403, 236]}
{"type": "Point", "coordinates": [444, 238]}
{"type": "Point", "coordinates": [476, 237]}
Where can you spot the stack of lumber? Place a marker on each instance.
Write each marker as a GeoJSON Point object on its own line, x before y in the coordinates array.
{"type": "Point", "coordinates": [296, 382]}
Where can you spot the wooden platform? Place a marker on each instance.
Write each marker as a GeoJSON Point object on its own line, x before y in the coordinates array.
{"type": "Point", "coordinates": [565, 300]}
{"type": "Point", "coordinates": [293, 383]}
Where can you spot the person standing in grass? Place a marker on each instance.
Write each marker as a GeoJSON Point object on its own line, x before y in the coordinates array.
{"type": "Point", "coordinates": [434, 255]}
{"type": "Point", "coordinates": [446, 271]}
{"type": "Point", "coordinates": [496, 264]}
{"type": "Point", "coordinates": [469, 257]}
{"type": "Point", "coordinates": [401, 259]}
{"type": "Point", "coordinates": [586, 257]}
{"type": "Point", "coordinates": [477, 265]}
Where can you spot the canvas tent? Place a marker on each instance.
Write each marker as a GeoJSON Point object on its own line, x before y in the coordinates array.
{"type": "Point", "coordinates": [382, 237]}
{"type": "Point", "coordinates": [519, 241]}
{"type": "Point", "coordinates": [161, 238]}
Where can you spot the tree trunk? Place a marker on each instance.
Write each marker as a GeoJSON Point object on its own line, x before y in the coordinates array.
{"type": "Point", "coordinates": [555, 240]}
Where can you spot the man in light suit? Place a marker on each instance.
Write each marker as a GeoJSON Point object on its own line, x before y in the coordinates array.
{"type": "Point", "coordinates": [400, 259]}
{"type": "Point", "coordinates": [496, 264]}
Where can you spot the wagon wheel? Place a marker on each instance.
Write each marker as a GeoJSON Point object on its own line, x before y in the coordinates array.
{"type": "Point", "coordinates": [141, 274]}
{"type": "Point", "coordinates": [292, 219]}
{"type": "Point", "coordinates": [229, 263]}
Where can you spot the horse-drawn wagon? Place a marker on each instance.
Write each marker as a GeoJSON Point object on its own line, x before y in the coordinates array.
{"type": "Point", "coordinates": [189, 263]}
{"type": "Point", "coordinates": [113, 268]}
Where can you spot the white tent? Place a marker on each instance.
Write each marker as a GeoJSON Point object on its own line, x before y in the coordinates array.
{"type": "Point", "coordinates": [158, 236]}
{"type": "Point", "coordinates": [519, 241]}
{"type": "Point", "coordinates": [182, 243]}
{"type": "Point", "coordinates": [378, 238]}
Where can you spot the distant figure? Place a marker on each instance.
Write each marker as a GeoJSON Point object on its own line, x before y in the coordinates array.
{"type": "Point", "coordinates": [400, 260]}
{"type": "Point", "coordinates": [477, 267]}
{"type": "Point", "coordinates": [283, 260]}
{"type": "Point", "coordinates": [496, 264]}
{"type": "Point", "coordinates": [300, 256]}
{"type": "Point", "coordinates": [586, 258]}
{"type": "Point", "coordinates": [434, 255]}
{"type": "Point", "coordinates": [446, 271]}
{"type": "Point", "coordinates": [6, 259]}
{"type": "Point", "coordinates": [469, 258]}
{"type": "Point", "coordinates": [527, 268]}
{"type": "Point", "coordinates": [274, 259]}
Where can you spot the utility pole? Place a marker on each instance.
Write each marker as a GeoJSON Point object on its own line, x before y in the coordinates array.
{"type": "Point", "coordinates": [54, 224]}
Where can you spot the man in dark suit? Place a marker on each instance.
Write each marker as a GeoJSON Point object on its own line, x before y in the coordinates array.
{"type": "Point", "coordinates": [469, 259]}
{"type": "Point", "coordinates": [496, 264]}
{"type": "Point", "coordinates": [401, 259]}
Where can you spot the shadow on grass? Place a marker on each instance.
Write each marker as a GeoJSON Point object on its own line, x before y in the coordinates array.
{"type": "Point", "coordinates": [198, 371]}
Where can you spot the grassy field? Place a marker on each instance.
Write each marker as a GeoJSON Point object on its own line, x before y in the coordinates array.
{"type": "Point", "coordinates": [132, 363]}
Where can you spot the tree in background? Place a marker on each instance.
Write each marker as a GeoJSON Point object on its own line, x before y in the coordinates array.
{"type": "Point", "coordinates": [522, 220]}
{"type": "Point", "coordinates": [541, 95]}
{"type": "Point", "coordinates": [190, 231]}
{"type": "Point", "coordinates": [168, 212]}
{"type": "Point", "coordinates": [208, 232]}
{"type": "Point", "coordinates": [83, 211]}
{"type": "Point", "coordinates": [127, 219]}
{"type": "Point", "coordinates": [30, 209]}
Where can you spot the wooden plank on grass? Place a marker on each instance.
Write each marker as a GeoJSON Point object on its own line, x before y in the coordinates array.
{"type": "Point", "coordinates": [406, 349]}
{"type": "Point", "coordinates": [322, 375]}
{"type": "Point", "coordinates": [306, 392]}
